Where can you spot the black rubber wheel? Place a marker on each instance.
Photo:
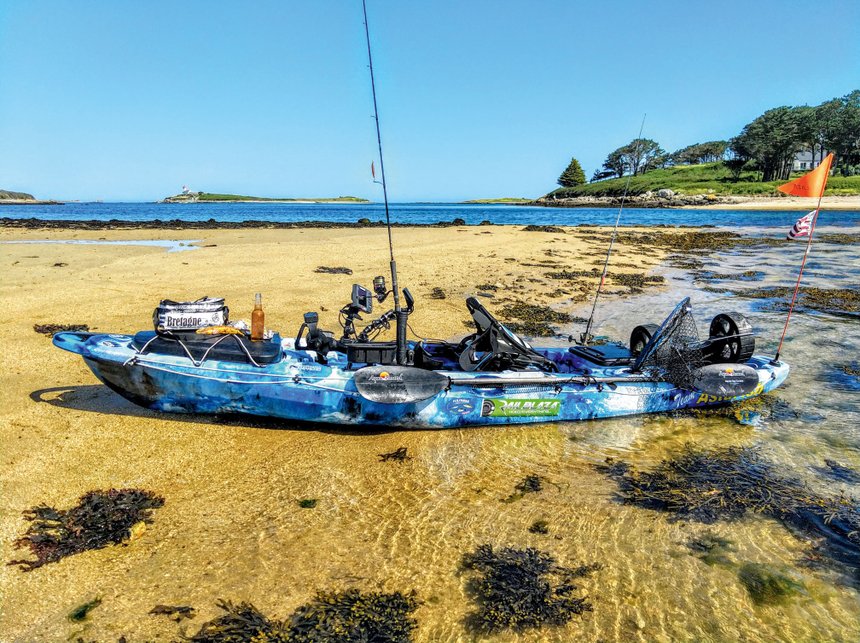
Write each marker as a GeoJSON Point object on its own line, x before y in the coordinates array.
{"type": "Point", "coordinates": [739, 343]}
{"type": "Point", "coordinates": [640, 337]}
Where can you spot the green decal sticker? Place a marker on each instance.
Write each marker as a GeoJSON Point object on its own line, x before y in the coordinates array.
{"type": "Point", "coordinates": [520, 408]}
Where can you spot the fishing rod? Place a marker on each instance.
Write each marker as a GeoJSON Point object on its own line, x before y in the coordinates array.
{"type": "Point", "coordinates": [400, 313]}
{"type": "Point", "coordinates": [586, 337]}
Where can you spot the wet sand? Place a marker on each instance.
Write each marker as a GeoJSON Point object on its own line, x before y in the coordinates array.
{"type": "Point", "coordinates": [231, 526]}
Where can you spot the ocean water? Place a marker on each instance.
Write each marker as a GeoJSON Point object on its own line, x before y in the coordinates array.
{"type": "Point", "coordinates": [413, 213]}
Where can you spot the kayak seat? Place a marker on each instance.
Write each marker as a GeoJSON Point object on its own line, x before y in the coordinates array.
{"type": "Point", "coordinates": [225, 350]}
{"type": "Point", "coordinates": [423, 359]}
{"type": "Point", "coordinates": [605, 355]}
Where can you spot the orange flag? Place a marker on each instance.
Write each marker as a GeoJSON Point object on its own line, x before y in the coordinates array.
{"type": "Point", "coordinates": [812, 183]}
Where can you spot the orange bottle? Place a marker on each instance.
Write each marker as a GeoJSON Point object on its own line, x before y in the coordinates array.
{"type": "Point", "coordinates": [258, 319]}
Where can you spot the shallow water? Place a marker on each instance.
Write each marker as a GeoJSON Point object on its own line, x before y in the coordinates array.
{"type": "Point", "coordinates": [167, 244]}
{"type": "Point", "coordinates": [231, 526]}
{"type": "Point", "coordinates": [423, 213]}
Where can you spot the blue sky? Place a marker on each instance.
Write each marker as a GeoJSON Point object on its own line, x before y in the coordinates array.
{"type": "Point", "coordinates": [130, 100]}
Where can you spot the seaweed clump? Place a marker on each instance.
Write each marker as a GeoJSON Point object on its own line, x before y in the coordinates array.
{"type": "Point", "coordinates": [53, 329]}
{"type": "Point", "coordinates": [533, 320]}
{"type": "Point", "coordinates": [766, 585]}
{"type": "Point", "coordinates": [828, 300]}
{"type": "Point", "coordinates": [539, 526]}
{"type": "Point", "coordinates": [636, 281]}
{"type": "Point", "coordinates": [728, 483]}
{"type": "Point", "coordinates": [532, 483]}
{"type": "Point", "coordinates": [101, 518]}
{"type": "Point", "coordinates": [543, 228]}
{"type": "Point", "coordinates": [350, 616]}
{"type": "Point", "coordinates": [241, 623]}
{"type": "Point", "coordinates": [521, 589]}
{"type": "Point", "coordinates": [336, 270]}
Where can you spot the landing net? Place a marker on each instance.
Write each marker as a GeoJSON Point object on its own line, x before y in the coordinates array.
{"type": "Point", "coordinates": [675, 351]}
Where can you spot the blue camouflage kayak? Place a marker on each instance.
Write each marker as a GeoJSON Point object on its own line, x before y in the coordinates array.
{"type": "Point", "coordinates": [491, 377]}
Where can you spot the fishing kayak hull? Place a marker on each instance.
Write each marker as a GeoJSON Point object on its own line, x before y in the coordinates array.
{"type": "Point", "coordinates": [298, 388]}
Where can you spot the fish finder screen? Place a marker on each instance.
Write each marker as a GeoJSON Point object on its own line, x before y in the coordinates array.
{"type": "Point", "coordinates": [362, 298]}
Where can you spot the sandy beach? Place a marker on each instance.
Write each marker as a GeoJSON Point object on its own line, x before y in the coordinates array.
{"type": "Point", "coordinates": [781, 203]}
{"type": "Point", "coordinates": [231, 526]}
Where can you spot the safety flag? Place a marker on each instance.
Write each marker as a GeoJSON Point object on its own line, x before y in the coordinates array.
{"type": "Point", "coordinates": [811, 183]}
{"type": "Point", "coordinates": [802, 227]}
{"type": "Point", "coordinates": [372, 170]}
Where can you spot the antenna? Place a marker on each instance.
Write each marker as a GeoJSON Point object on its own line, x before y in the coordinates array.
{"type": "Point", "coordinates": [586, 336]}
{"type": "Point", "coordinates": [401, 314]}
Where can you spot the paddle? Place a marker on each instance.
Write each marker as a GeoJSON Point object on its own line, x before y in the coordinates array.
{"type": "Point", "coordinates": [726, 380]}
{"type": "Point", "coordinates": [398, 384]}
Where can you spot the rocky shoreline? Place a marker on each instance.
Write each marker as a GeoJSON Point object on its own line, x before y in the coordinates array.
{"type": "Point", "coordinates": [671, 199]}
{"type": "Point", "coordinates": [658, 199]}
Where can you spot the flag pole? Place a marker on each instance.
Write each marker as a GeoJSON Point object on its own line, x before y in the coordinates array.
{"type": "Point", "coordinates": [797, 285]}
{"type": "Point", "coordinates": [775, 359]}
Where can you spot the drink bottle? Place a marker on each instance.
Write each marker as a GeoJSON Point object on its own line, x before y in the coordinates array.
{"type": "Point", "coordinates": [258, 318]}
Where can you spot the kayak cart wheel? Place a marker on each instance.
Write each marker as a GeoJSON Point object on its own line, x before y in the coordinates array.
{"type": "Point", "coordinates": [731, 339]}
{"type": "Point", "coordinates": [640, 337]}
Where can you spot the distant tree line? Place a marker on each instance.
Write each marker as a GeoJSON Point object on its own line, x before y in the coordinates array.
{"type": "Point", "coordinates": [767, 145]}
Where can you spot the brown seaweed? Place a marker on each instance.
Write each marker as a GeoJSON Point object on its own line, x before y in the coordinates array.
{"type": "Point", "coordinates": [830, 300]}
{"type": "Point", "coordinates": [53, 329]}
{"type": "Point", "coordinates": [337, 270]}
{"type": "Point", "coordinates": [543, 228]}
{"type": "Point", "coordinates": [539, 526]}
{"type": "Point", "coordinates": [352, 616]}
{"type": "Point", "coordinates": [530, 484]}
{"type": "Point", "coordinates": [349, 616]}
{"type": "Point", "coordinates": [100, 518]}
{"type": "Point", "coordinates": [520, 589]}
{"type": "Point", "coordinates": [242, 623]}
{"type": "Point", "coordinates": [730, 483]}
{"type": "Point", "coordinates": [636, 281]}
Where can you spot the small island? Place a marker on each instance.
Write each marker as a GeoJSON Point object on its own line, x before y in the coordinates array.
{"type": "Point", "coordinates": [7, 197]}
{"type": "Point", "coordinates": [509, 200]}
{"type": "Point", "coordinates": [187, 196]}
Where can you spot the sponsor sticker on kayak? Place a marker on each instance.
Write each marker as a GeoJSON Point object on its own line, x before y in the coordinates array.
{"type": "Point", "coordinates": [504, 407]}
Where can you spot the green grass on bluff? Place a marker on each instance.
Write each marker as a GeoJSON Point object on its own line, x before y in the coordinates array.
{"type": "Point", "coordinates": [707, 178]}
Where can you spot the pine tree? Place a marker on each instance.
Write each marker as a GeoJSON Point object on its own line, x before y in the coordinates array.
{"type": "Point", "coordinates": [572, 176]}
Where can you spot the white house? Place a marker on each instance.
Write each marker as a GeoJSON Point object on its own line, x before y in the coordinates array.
{"type": "Point", "coordinates": [803, 161]}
